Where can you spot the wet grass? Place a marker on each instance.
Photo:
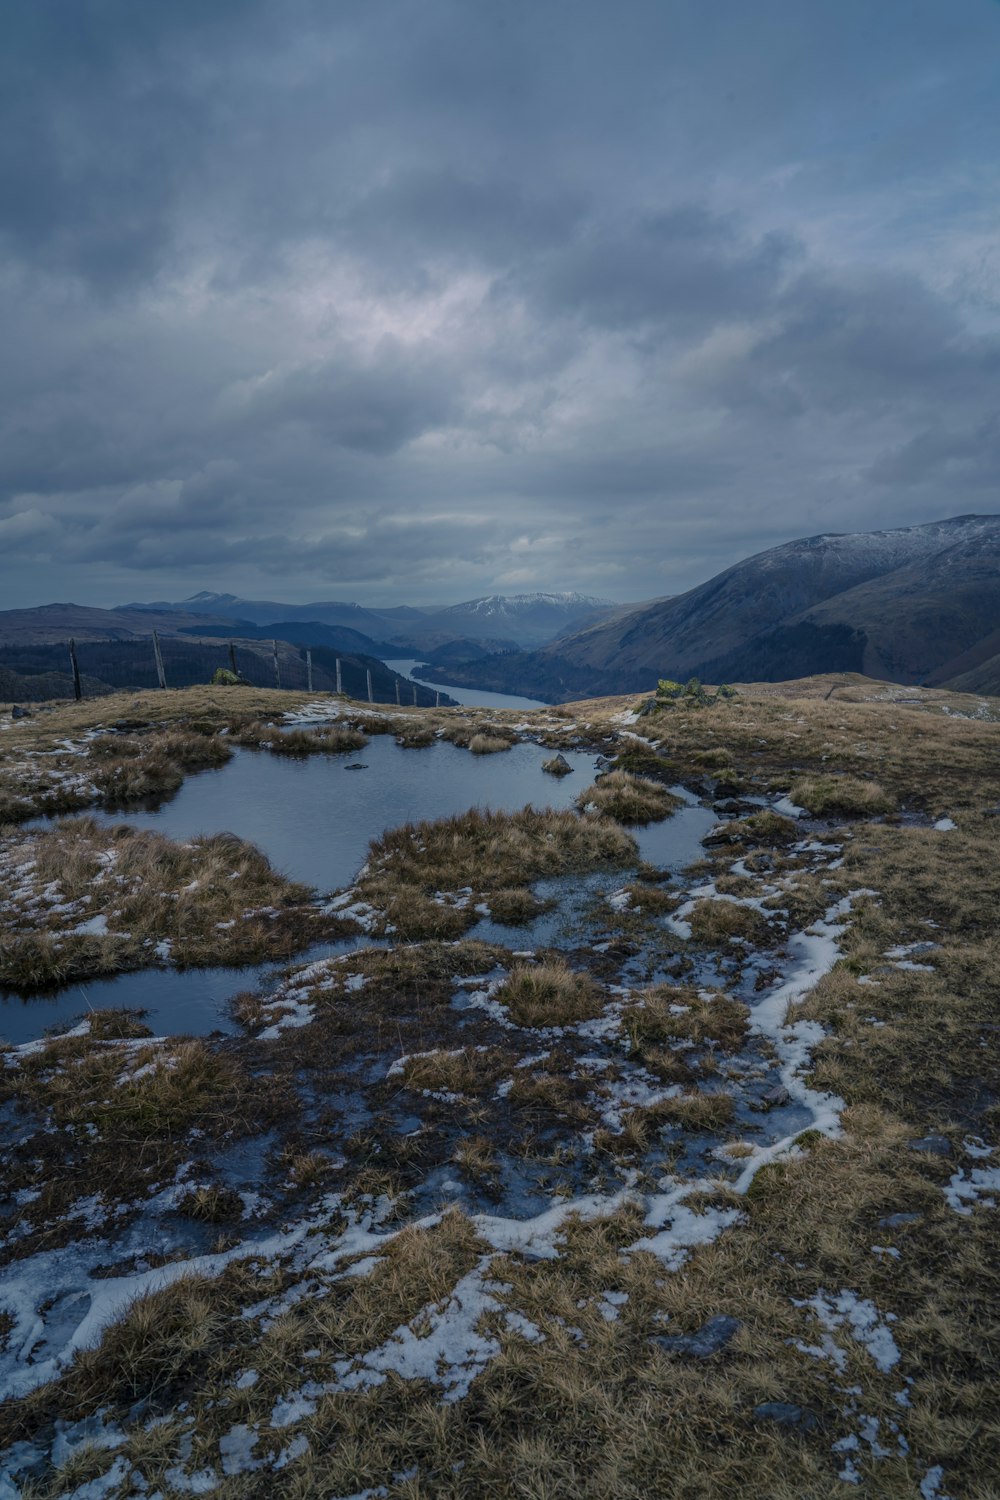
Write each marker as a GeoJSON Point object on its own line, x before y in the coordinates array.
{"type": "Point", "coordinates": [482, 853]}
{"type": "Point", "coordinates": [549, 994]}
{"type": "Point", "coordinates": [628, 799]}
{"type": "Point", "coordinates": [83, 898]}
{"type": "Point", "coordinates": [578, 1397]}
{"type": "Point", "coordinates": [827, 796]}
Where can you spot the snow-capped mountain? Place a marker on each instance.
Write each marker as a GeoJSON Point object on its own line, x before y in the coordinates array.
{"type": "Point", "coordinates": [908, 604]}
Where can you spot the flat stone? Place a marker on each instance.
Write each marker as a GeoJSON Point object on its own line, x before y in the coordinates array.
{"type": "Point", "coordinates": [710, 1339]}
{"type": "Point", "coordinates": [896, 1221]}
{"type": "Point", "coordinates": [787, 1414]}
{"type": "Point", "coordinates": [931, 1145]}
{"type": "Point", "coordinates": [356, 765]}
{"type": "Point", "coordinates": [774, 1098]}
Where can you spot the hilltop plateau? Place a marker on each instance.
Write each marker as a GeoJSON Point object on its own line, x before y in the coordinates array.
{"type": "Point", "coordinates": [639, 1141]}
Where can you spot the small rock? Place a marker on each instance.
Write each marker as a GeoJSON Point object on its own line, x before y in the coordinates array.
{"type": "Point", "coordinates": [20, 713]}
{"type": "Point", "coordinates": [931, 1145]}
{"type": "Point", "coordinates": [787, 1414]}
{"type": "Point", "coordinates": [709, 1339]}
{"type": "Point", "coordinates": [896, 1221]}
{"type": "Point", "coordinates": [558, 765]}
{"type": "Point", "coordinates": [774, 1099]}
{"type": "Point", "coordinates": [356, 765]}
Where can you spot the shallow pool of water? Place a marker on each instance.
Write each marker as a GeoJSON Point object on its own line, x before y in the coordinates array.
{"type": "Point", "coordinates": [314, 818]}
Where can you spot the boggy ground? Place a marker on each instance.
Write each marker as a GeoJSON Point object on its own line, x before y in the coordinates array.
{"type": "Point", "coordinates": [694, 1198]}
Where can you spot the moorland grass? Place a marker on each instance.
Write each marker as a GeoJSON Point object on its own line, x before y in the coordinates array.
{"type": "Point", "coordinates": [849, 796]}
{"type": "Point", "coordinates": [549, 994]}
{"type": "Point", "coordinates": [628, 799]}
{"type": "Point", "coordinates": [479, 851]}
{"type": "Point", "coordinates": [718, 921]}
{"type": "Point", "coordinates": [215, 899]}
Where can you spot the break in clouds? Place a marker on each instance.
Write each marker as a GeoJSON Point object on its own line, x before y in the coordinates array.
{"type": "Point", "coordinates": [417, 302]}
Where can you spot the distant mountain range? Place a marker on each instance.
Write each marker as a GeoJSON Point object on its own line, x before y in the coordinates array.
{"type": "Point", "coordinates": [519, 620]}
{"type": "Point", "coordinates": [918, 604]}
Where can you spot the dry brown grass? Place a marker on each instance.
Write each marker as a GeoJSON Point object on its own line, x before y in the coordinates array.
{"type": "Point", "coordinates": [669, 1014]}
{"type": "Point", "coordinates": [469, 1070]}
{"type": "Point", "coordinates": [338, 739]}
{"type": "Point", "coordinates": [483, 851]}
{"type": "Point", "coordinates": [147, 889]}
{"type": "Point", "coordinates": [628, 799]}
{"type": "Point", "coordinates": [718, 921]}
{"type": "Point", "coordinates": [826, 796]}
{"type": "Point", "coordinates": [488, 744]}
{"type": "Point", "coordinates": [549, 994]}
{"type": "Point", "coordinates": [768, 828]}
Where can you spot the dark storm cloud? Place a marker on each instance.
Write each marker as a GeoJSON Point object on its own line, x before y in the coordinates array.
{"type": "Point", "coordinates": [439, 299]}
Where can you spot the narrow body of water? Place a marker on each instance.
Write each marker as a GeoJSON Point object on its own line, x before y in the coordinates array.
{"type": "Point", "coordinates": [467, 697]}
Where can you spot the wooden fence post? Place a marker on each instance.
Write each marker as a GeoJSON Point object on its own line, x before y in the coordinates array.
{"type": "Point", "coordinates": [309, 670]}
{"type": "Point", "coordinates": [160, 676]}
{"type": "Point", "coordinates": [77, 688]}
{"type": "Point", "coordinates": [397, 692]}
{"type": "Point", "coordinates": [371, 695]}
{"type": "Point", "coordinates": [232, 658]}
{"type": "Point", "coordinates": [277, 669]}
{"type": "Point", "coordinates": [414, 695]}
{"type": "Point", "coordinates": [437, 700]}
{"type": "Point", "coordinates": [340, 685]}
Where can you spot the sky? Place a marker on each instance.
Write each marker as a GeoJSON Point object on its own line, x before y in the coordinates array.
{"type": "Point", "coordinates": [409, 301]}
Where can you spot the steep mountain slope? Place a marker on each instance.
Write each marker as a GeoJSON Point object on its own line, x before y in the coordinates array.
{"type": "Point", "coordinates": [898, 604]}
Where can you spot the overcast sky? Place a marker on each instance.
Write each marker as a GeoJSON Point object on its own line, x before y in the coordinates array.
{"type": "Point", "coordinates": [411, 302]}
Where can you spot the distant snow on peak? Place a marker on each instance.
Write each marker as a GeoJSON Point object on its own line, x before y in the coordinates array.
{"type": "Point", "coordinates": [508, 604]}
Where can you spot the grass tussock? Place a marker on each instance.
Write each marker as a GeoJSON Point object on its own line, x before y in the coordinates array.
{"type": "Point", "coordinates": [628, 799]}
{"type": "Point", "coordinates": [488, 744]}
{"type": "Point", "coordinates": [722, 921]}
{"type": "Point", "coordinates": [416, 737]}
{"type": "Point", "coordinates": [767, 828]}
{"type": "Point", "coordinates": [83, 899]}
{"type": "Point", "coordinates": [469, 1070]}
{"type": "Point", "coordinates": [338, 739]}
{"type": "Point", "coordinates": [549, 994]}
{"type": "Point", "coordinates": [515, 906]}
{"type": "Point", "coordinates": [841, 796]}
{"type": "Point", "coordinates": [668, 1014]}
{"type": "Point", "coordinates": [480, 852]}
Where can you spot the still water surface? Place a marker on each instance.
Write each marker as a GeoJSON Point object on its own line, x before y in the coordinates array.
{"type": "Point", "coordinates": [467, 697]}
{"type": "Point", "coordinates": [314, 819]}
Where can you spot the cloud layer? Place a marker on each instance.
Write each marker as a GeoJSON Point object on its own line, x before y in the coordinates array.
{"type": "Point", "coordinates": [416, 302]}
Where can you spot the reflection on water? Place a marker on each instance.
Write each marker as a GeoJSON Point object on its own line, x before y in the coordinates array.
{"type": "Point", "coordinates": [314, 819]}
